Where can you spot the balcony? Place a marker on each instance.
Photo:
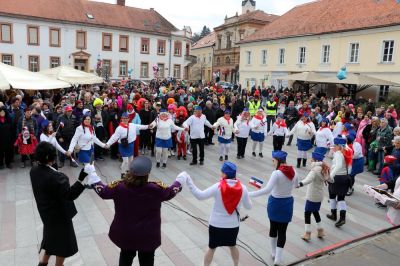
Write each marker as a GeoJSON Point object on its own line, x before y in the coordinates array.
{"type": "Point", "coordinates": [191, 58]}
{"type": "Point", "coordinates": [233, 50]}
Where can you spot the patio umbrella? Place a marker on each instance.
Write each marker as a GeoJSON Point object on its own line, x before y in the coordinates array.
{"type": "Point", "coordinates": [4, 85]}
{"type": "Point", "coordinates": [20, 78]}
{"type": "Point", "coordinates": [359, 80]}
{"type": "Point", "coordinates": [303, 76]}
{"type": "Point", "coordinates": [72, 76]}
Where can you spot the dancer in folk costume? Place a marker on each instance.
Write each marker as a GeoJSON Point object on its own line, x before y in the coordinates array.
{"type": "Point", "coordinates": [49, 135]}
{"type": "Point", "coordinates": [224, 127]}
{"type": "Point", "coordinates": [135, 119]}
{"type": "Point", "coordinates": [305, 130]}
{"type": "Point", "coordinates": [26, 143]}
{"type": "Point", "coordinates": [357, 166]}
{"type": "Point", "coordinates": [229, 195]}
{"type": "Point", "coordinates": [316, 179]}
{"type": "Point", "coordinates": [258, 129]}
{"type": "Point", "coordinates": [164, 126]}
{"type": "Point", "coordinates": [341, 164]}
{"type": "Point", "coordinates": [84, 139]}
{"type": "Point", "coordinates": [323, 137]}
{"type": "Point", "coordinates": [242, 132]}
{"type": "Point", "coordinates": [125, 135]}
{"type": "Point", "coordinates": [280, 202]}
{"type": "Point", "coordinates": [278, 132]}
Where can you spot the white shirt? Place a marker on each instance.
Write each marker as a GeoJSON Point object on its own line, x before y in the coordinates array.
{"type": "Point", "coordinates": [84, 139]}
{"type": "Point", "coordinates": [304, 131]}
{"type": "Point", "coordinates": [357, 148]}
{"type": "Point", "coordinates": [219, 216]}
{"type": "Point", "coordinates": [279, 186]}
{"type": "Point", "coordinates": [226, 128]}
{"type": "Point", "coordinates": [337, 129]}
{"type": "Point", "coordinates": [258, 126]}
{"type": "Point", "coordinates": [278, 131]}
{"type": "Point", "coordinates": [324, 137]}
{"type": "Point", "coordinates": [164, 128]}
{"type": "Point", "coordinates": [121, 133]}
{"type": "Point", "coordinates": [243, 126]}
{"type": "Point", "coordinates": [196, 125]}
{"type": "Point", "coordinates": [52, 139]}
{"type": "Point", "coordinates": [338, 165]}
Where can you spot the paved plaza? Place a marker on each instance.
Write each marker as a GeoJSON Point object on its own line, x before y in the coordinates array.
{"type": "Point", "coordinates": [184, 240]}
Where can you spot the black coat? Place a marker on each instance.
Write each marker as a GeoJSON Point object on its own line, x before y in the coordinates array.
{"type": "Point", "coordinates": [54, 199]}
{"type": "Point", "coordinates": [210, 115]}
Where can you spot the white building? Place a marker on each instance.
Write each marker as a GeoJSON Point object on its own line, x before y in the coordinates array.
{"type": "Point", "coordinates": [92, 36]}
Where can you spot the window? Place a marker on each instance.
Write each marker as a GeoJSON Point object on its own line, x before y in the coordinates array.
{"type": "Point", "coordinates": [177, 48]}
{"type": "Point", "coordinates": [383, 92]}
{"type": "Point", "coordinates": [264, 57]}
{"type": "Point", "coordinates": [33, 63]}
{"type": "Point", "coordinates": [209, 58]}
{"type": "Point", "coordinates": [204, 59]}
{"type": "Point", "coordinates": [219, 42]}
{"type": "Point", "coordinates": [161, 47]}
{"type": "Point", "coordinates": [302, 55]}
{"type": "Point", "coordinates": [218, 61]}
{"type": "Point", "coordinates": [7, 59]}
{"type": "Point", "coordinates": [55, 37]}
{"type": "Point", "coordinates": [106, 67]}
{"type": "Point", "coordinates": [6, 33]}
{"type": "Point", "coordinates": [55, 61]}
{"type": "Point", "coordinates": [81, 39]}
{"type": "Point", "coordinates": [145, 49]}
{"type": "Point", "coordinates": [354, 49]}
{"type": "Point", "coordinates": [241, 36]}
{"type": "Point", "coordinates": [107, 42]}
{"type": "Point", "coordinates": [123, 68]}
{"type": "Point", "coordinates": [388, 47]}
{"type": "Point", "coordinates": [33, 35]}
{"type": "Point", "coordinates": [326, 50]}
{"type": "Point", "coordinates": [227, 60]}
{"type": "Point", "coordinates": [248, 57]}
{"type": "Point", "coordinates": [144, 70]}
{"type": "Point", "coordinates": [177, 71]}
{"type": "Point", "coordinates": [228, 42]}
{"type": "Point", "coordinates": [161, 69]}
{"type": "Point", "coordinates": [281, 56]}
{"type": "Point", "coordinates": [123, 43]}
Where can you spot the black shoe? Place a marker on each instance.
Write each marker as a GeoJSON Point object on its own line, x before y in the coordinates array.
{"type": "Point", "coordinates": [206, 144]}
{"type": "Point", "coordinates": [201, 163]}
{"type": "Point", "coordinates": [184, 157]}
{"type": "Point", "coordinates": [114, 157]}
{"type": "Point", "coordinates": [212, 143]}
{"type": "Point", "coordinates": [226, 157]}
{"type": "Point", "coordinates": [9, 166]}
{"type": "Point", "coordinates": [193, 163]}
{"type": "Point", "coordinates": [179, 157]}
{"type": "Point", "coordinates": [254, 154]}
{"type": "Point", "coordinates": [304, 162]}
{"type": "Point", "coordinates": [2, 166]}
{"type": "Point", "coordinates": [333, 215]}
{"type": "Point", "coordinates": [220, 158]}
{"type": "Point", "coordinates": [342, 219]}
{"type": "Point", "coordinates": [158, 165]}
{"type": "Point", "coordinates": [261, 155]}
{"type": "Point", "coordinates": [164, 165]}
{"type": "Point", "coordinates": [298, 162]}
{"type": "Point", "coordinates": [238, 157]}
{"type": "Point", "coordinates": [23, 165]}
{"type": "Point", "coordinates": [350, 192]}
{"type": "Point", "coordinates": [152, 154]}
{"type": "Point", "coordinates": [100, 158]}
{"type": "Point", "coordinates": [42, 264]}
{"type": "Point", "coordinates": [73, 164]}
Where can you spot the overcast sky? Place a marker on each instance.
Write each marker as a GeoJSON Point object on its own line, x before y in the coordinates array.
{"type": "Point", "coordinates": [197, 13]}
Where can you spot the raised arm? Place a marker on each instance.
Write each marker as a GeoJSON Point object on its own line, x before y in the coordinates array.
{"type": "Point", "coordinates": [75, 138]}
{"type": "Point", "coordinates": [201, 194]}
{"type": "Point", "coordinates": [246, 199]}
{"type": "Point", "coordinates": [267, 189]}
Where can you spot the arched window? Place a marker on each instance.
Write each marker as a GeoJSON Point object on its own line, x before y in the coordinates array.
{"type": "Point", "coordinates": [227, 60]}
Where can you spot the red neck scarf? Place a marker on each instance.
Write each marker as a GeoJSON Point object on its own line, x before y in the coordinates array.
{"type": "Point", "coordinates": [282, 123]}
{"type": "Point", "coordinates": [259, 117]}
{"type": "Point", "coordinates": [288, 171]}
{"type": "Point", "coordinates": [348, 155]}
{"type": "Point", "coordinates": [123, 125]}
{"type": "Point", "coordinates": [198, 116]}
{"type": "Point", "coordinates": [230, 195]}
{"type": "Point", "coordinates": [322, 127]}
{"type": "Point", "coordinates": [89, 127]}
{"type": "Point", "coordinates": [227, 119]}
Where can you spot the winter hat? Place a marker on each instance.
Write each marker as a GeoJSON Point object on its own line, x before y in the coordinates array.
{"type": "Point", "coordinates": [318, 156]}
{"type": "Point", "coordinates": [339, 141]}
{"type": "Point", "coordinates": [140, 166]}
{"type": "Point", "coordinates": [229, 169]}
{"type": "Point", "coordinates": [98, 101]}
{"type": "Point", "coordinates": [279, 155]}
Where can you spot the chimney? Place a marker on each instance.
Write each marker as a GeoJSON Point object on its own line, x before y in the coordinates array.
{"type": "Point", "coordinates": [151, 8]}
{"type": "Point", "coordinates": [121, 2]}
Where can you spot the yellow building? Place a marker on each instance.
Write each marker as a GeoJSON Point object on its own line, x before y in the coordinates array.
{"type": "Point", "coordinates": [323, 36]}
{"type": "Point", "coordinates": [203, 50]}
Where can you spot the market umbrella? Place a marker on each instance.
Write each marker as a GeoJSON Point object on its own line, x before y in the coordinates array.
{"type": "Point", "coordinates": [359, 80]}
{"type": "Point", "coordinates": [303, 76]}
{"type": "Point", "coordinates": [4, 85]}
{"type": "Point", "coordinates": [72, 76]}
{"type": "Point", "coordinates": [20, 78]}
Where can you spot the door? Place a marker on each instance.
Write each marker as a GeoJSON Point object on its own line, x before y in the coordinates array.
{"type": "Point", "coordinates": [80, 64]}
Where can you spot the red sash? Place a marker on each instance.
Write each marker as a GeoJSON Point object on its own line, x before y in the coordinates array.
{"type": "Point", "coordinates": [230, 195]}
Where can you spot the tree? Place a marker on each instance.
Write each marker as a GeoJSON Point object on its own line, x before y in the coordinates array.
{"type": "Point", "coordinates": [198, 35]}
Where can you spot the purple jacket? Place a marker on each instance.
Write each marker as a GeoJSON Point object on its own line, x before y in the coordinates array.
{"type": "Point", "coordinates": [137, 219]}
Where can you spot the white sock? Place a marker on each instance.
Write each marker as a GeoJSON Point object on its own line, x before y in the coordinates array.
{"type": "Point", "coordinates": [260, 148]}
{"type": "Point", "coordinates": [254, 146]}
{"type": "Point", "coordinates": [342, 206]}
{"type": "Point", "coordinates": [332, 203]}
{"type": "Point", "coordinates": [227, 146]}
{"type": "Point", "coordinates": [158, 154]}
{"type": "Point", "coordinates": [319, 226]}
{"type": "Point", "coordinates": [273, 241]}
{"type": "Point", "coordinates": [221, 149]}
{"type": "Point", "coordinates": [278, 256]}
{"type": "Point", "coordinates": [124, 165]}
{"type": "Point", "coordinates": [164, 155]}
{"type": "Point", "coordinates": [308, 228]}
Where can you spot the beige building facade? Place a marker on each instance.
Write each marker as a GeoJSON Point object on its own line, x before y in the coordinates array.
{"type": "Point", "coordinates": [203, 50]}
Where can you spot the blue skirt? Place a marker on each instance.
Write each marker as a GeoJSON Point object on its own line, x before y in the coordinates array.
{"type": "Point", "coordinates": [164, 143]}
{"type": "Point", "coordinates": [126, 151]}
{"type": "Point", "coordinates": [357, 166]}
{"type": "Point", "coordinates": [224, 140]}
{"type": "Point", "coordinates": [321, 150]}
{"type": "Point", "coordinates": [85, 156]}
{"type": "Point", "coordinates": [259, 137]}
{"type": "Point", "coordinates": [304, 145]}
{"type": "Point", "coordinates": [280, 209]}
{"type": "Point", "coordinates": [312, 206]}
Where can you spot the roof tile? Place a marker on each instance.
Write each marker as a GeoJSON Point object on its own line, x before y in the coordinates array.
{"type": "Point", "coordinates": [206, 41]}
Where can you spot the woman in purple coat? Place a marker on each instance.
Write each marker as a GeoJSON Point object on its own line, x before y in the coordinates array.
{"type": "Point", "coordinates": [136, 227]}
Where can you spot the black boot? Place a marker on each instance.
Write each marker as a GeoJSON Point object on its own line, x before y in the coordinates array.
{"type": "Point", "coordinates": [42, 264]}
{"type": "Point", "coordinates": [304, 162]}
{"type": "Point", "coordinates": [333, 215]}
{"type": "Point", "coordinates": [342, 219]}
{"type": "Point", "coordinates": [298, 162]}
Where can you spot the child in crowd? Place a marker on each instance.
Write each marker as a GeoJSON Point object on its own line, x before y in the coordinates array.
{"type": "Point", "coordinates": [26, 143]}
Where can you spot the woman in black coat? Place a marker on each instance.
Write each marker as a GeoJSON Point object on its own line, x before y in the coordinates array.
{"type": "Point", "coordinates": [6, 138]}
{"type": "Point", "coordinates": [54, 199]}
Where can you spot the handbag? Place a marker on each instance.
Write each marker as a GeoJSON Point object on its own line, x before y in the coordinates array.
{"type": "Point", "coordinates": [124, 141]}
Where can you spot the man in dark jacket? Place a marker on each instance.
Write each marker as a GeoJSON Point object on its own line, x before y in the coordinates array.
{"type": "Point", "coordinates": [292, 116]}
{"type": "Point", "coordinates": [66, 125]}
{"type": "Point", "coordinates": [210, 115]}
{"type": "Point", "coordinates": [6, 137]}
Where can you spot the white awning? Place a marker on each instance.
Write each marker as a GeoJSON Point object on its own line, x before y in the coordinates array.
{"type": "Point", "coordinates": [72, 76]}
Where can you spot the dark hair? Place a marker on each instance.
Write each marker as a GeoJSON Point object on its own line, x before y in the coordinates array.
{"type": "Point", "coordinates": [279, 163]}
{"type": "Point", "coordinates": [45, 152]}
{"type": "Point", "coordinates": [132, 180]}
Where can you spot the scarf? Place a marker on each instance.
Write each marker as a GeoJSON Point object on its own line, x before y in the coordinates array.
{"type": "Point", "coordinates": [2, 119]}
{"type": "Point", "coordinates": [228, 120]}
{"type": "Point", "coordinates": [198, 116]}
{"type": "Point", "coordinates": [25, 136]}
{"type": "Point", "coordinates": [230, 195]}
{"type": "Point", "coordinates": [89, 127]}
{"type": "Point", "coordinates": [280, 124]}
{"type": "Point", "coordinates": [123, 125]}
{"type": "Point", "coordinates": [259, 117]}
{"type": "Point", "coordinates": [288, 171]}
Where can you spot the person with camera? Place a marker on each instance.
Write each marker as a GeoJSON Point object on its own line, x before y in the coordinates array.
{"type": "Point", "coordinates": [125, 134]}
{"type": "Point", "coordinates": [55, 202]}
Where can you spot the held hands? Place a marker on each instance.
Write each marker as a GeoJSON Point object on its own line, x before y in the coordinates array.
{"type": "Point", "coordinates": [182, 178]}
{"type": "Point", "coordinates": [68, 154]}
{"type": "Point", "coordinates": [91, 173]}
{"type": "Point", "coordinates": [82, 175]}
